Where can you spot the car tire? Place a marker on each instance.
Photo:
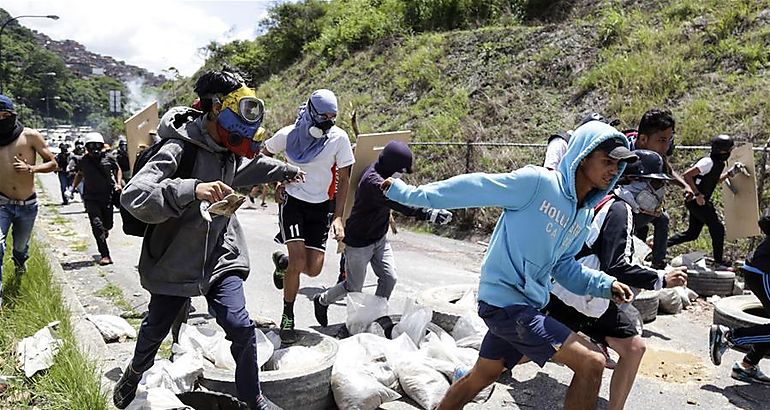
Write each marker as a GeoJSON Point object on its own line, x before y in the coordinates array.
{"type": "Point", "coordinates": [646, 302]}
{"type": "Point", "coordinates": [709, 283]}
{"type": "Point", "coordinates": [303, 389]}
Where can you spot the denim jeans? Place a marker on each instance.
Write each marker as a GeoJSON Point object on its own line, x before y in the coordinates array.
{"type": "Point", "coordinates": [22, 219]}
{"type": "Point", "coordinates": [64, 184]}
{"type": "Point", "coordinates": [227, 301]}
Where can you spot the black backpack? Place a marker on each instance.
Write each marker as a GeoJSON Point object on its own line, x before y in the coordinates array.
{"type": "Point", "coordinates": [133, 226]}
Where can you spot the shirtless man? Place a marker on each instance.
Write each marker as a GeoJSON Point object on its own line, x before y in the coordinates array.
{"type": "Point", "coordinates": [18, 201]}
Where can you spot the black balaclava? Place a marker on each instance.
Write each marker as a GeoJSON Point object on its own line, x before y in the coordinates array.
{"type": "Point", "coordinates": [10, 129]}
{"type": "Point", "coordinates": [764, 224]}
{"type": "Point", "coordinates": [395, 157]}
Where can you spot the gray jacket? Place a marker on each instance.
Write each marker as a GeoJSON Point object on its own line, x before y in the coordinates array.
{"type": "Point", "coordinates": [182, 255]}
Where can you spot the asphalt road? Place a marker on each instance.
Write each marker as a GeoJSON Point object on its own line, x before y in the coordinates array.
{"type": "Point", "coordinates": [677, 375]}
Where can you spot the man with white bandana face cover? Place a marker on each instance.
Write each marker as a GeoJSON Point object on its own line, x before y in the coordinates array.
{"type": "Point", "coordinates": [319, 147]}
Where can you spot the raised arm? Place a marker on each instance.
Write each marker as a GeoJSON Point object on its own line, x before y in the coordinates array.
{"type": "Point", "coordinates": [511, 190]}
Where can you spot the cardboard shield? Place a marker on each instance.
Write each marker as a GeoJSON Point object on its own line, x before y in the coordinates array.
{"type": "Point", "coordinates": [740, 197]}
{"type": "Point", "coordinates": [138, 129]}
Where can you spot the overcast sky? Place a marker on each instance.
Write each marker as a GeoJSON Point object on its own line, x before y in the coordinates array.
{"type": "Point", "coordinates": [154, 35]}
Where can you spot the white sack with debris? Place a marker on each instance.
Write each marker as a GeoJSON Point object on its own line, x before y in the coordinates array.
{"type": "Point", "coordinates": [469, 330]}
{"type": "Point", "coordinates": [156, 398]}
{"type": "Point", "coordinates": [414, 322]}
{"type": "Point", "coordinates": [361, 378]}
{"type": "Point", "coordinates": [113, 328]}
{"type": "Point", "coordinates": [363, 309]}
{"type": "Point", "coordinates": [36, 353]}
{"type": "Point", "coordinates": [422, 383]}
{"type": "Point", "coordinates": [670, 301]}
{"type": "Point", "coordinates": [293, 357]}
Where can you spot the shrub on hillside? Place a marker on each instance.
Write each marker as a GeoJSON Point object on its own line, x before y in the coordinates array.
{"type": "Point", "coordinates": [438, 15]}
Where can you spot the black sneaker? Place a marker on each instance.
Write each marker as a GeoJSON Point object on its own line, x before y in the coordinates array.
{"type": "Point", "coordinates": [288, 334]}
{"type": "Point", "coordinates": [281, 264]}
{"type": "Point", "coordinates": [125, 389]}
{"type": "Point", "coordinates": [717, 343]}
{"type": "Point", "coordinates": [321, 311]}
{"type": "Point", "coordinates": [749, 375]}
{"type": "Point", "coordinates": [264, 404]}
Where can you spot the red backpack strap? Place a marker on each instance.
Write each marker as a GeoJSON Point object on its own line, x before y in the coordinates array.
{"type": "Point", "coordinates": [602, 202]}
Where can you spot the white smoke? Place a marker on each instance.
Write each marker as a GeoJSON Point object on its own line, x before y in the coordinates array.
{"type": "Point", "coordinates": [138, 96]}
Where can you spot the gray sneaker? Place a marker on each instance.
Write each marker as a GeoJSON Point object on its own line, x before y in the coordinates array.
{"type": "Point", "coordinates": [750, 375]}
{"type": "Point", "coordinates": [717, 343]}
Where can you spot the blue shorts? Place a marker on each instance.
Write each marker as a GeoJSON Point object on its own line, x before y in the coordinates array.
{"type": "Point", "coordinates": [520, 330]}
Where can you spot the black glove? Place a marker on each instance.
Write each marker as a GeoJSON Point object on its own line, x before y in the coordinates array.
{"type": "Point", "coordinates": [438, 216]}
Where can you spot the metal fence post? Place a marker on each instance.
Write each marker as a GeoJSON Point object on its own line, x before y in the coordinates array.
{"type": "Point", "coordinates": [468, 153]}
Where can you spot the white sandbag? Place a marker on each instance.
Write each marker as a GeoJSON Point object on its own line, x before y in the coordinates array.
{"type": "Point", "coordinates": [156, 398]}
{"type": "Point", "coordinates": [293, 357]}
{"type": "Point", "coordinates": [275, 339]}
{"type": "Point", "coordinates": [414, 322]}
{"type": "Point", "coordinates": [178, 376]}
{"type": "Point", "coordinates": [382, 372]}
{"type": "Point", "coordinates": [468, 301]}
{"type": "Point", "coordinates": [371, 347]}
{"type": "Point", "coordinates": [399, 348]}
{"type": "Point", "coordinates": [421, 383]}
{"type": "Point", "coordinates": [213, 346]}
{"type": "Point", "coordinates": [469, 331]}
{"type": "Point", "coordinates": [112, 328]}
{"type": "Point", "coordinates": [265, 348]}
{"type": "Point", "coordinates": [363, 309]}
{"type": "Point", "coordinates": [36, 353]}
{"type": "Point", "coordinates": [669, 301]}
{"type": "Point", "coordinates": [358, 390]}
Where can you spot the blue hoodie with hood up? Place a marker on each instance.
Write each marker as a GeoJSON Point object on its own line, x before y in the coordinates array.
{"type": "Point", "coordinates": [540, 230]}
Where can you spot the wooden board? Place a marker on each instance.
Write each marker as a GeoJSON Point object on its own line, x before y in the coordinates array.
{"type": "Point", "coordinates": [138, 129]}
{"type": "Point", "coordinates": [368, 147]}
{"type": "Point", "coordinates": [742, 208]}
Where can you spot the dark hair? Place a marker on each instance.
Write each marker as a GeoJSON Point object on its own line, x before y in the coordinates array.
{"type": "Point", "coordinates": [656, 120]}
{"type": "Point", "coordinates": [215, 84]}
{"type": "Point", "coordinates": [764, 224]}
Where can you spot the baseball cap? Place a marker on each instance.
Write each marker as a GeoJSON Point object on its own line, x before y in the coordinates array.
{"type": "Point", "coordinates": [6, 104]}
{"type": "Point", "coordinates": [616, 149]}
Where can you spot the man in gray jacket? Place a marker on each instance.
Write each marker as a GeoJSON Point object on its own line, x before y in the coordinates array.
{"type": "Point", "coordinates": [182, 254]}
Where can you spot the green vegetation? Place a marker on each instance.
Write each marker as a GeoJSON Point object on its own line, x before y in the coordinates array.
{"type": "Point", "coordinates": [33, 76]}
{"type": "Point", "coordinates": [114, 294]}
{"type": "Point", "coordinates": [468, 71]}
{"type": "Point", "coordinates": [31, 301]}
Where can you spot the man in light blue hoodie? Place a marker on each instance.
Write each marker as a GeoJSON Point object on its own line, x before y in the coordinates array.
{"type": "Point", "coordinates": [542, 227]}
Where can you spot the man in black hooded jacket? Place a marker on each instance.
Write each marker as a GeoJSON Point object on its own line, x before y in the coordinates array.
{"type": "Point", "coordinates": [366, 230]}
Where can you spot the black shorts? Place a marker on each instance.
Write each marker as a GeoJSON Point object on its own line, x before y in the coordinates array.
{"type": "Point", "coordinates": [613, 323]}
{"type": "Point", "coordinates": [304, 221]}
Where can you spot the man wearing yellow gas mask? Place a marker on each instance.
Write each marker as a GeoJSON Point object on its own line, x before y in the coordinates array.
{"type": "Point", "coordinates": [185, 255]}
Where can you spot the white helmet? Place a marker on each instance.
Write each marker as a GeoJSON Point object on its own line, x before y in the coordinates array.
{"type": "Point", "coordinates": [94, 137]}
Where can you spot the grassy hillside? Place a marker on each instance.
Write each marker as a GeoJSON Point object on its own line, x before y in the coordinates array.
{"type": "Point", "coordinates": [518, 79]}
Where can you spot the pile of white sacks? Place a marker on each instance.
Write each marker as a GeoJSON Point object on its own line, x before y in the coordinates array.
{"type": "Point", "coordinates": [417, 362]}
